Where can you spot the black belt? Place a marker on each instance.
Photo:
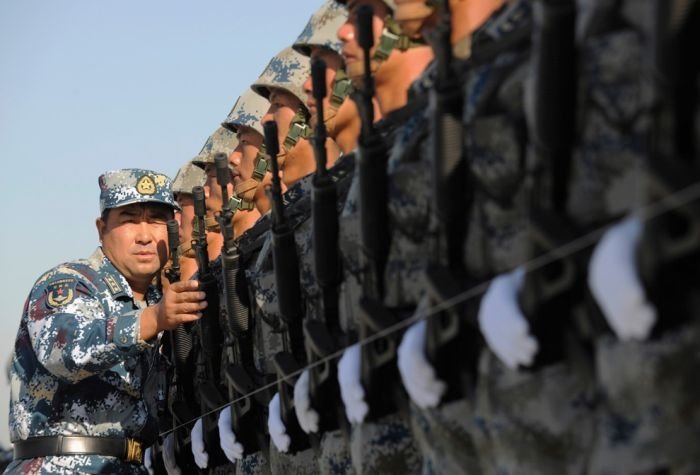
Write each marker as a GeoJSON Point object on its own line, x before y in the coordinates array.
{"type": "Point", "coordinates": [120, 447]}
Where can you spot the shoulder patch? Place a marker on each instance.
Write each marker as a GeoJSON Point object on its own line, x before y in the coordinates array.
{"type": "Point", "coordinates": [113, 285]}
{"type": "Point", "coordinates": [60, 292]}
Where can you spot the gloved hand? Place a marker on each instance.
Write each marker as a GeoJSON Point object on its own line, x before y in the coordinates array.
{"type": "Point", "coordinates": [614, 282]}
{"type": "Point", "coordinates": [201, 457]}
{"type": "Point", "coordinates": [275, 425]}
{"type": "Point", "coordinates": [502, 322]}
{"type": "Point", "coordinates": [418, 375]}
{"type": "Point", "coordinates": [147, 461]}
{"type": "Point", "coordinates": [227, 439]}
{"type": "Point", "coordinates": [351, 390]}
{"type": "Point", "coordinates": [306, 415]}
{"type": "Point", "coordinates": [169, 448]}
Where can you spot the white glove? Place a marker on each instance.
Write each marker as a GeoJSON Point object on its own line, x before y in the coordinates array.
{"type": "Point", "coordinates": [147, 462]}
{"type": "Point", "coordinates": [615, 284]}
{"type": "Point", "coordinates": [502, 322]}
{"type": "Point", "coordinates": [306, 415]}
{"type": "Point", "coordinates": [275, 425]}
{"type": "Point", "coordinates": [227, 439]}
{"type": "Point", "coordinates": [351, 390]}
{"type": "Point", "coordinates": [201, 457]}
{"type": "Point", "coordinates": [417, 374]}
{"type": "Point", "coordinates": [169, 447]}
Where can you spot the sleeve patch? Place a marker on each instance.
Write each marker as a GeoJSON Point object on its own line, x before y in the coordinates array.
{"type": "Point", "coordinates": [60, 292]}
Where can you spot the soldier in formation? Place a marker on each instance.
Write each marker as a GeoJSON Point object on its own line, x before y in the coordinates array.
{"type": "Point", "coordinates": [440, 250]}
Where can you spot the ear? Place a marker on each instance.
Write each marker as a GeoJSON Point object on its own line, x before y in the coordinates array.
{"type": "Point", "coordinates": [100, 227]}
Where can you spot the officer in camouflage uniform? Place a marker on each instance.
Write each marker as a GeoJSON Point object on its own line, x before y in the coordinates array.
{"type": "Point", "coordinates": [87, 376]}
{"type": "Point", "coordinates": [384, 445]}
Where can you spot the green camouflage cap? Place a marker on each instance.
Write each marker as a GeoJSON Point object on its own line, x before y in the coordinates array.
{"type": "Point", "coordinates": [134, 185]}
{"type": "Point", "coordinates": [189, 176]}
{"type": "Point", "coordinates": [287, 70]}
{"type": "Point", "coordinates": [322, 28]}
{"type": "Point", "coordinates": [221, 141]}
{"type": "Point", "coordinates": [389, 3]}
{"type": "Point", "coordinates": [248, 111]}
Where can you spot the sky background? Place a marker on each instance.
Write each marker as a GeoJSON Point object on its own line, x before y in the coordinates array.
{"type": "Point", "coordinates": [88, 86]}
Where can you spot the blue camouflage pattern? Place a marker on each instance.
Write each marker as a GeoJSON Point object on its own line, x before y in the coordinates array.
{"type": "Point", "coordinates": [81, 368]}
{"type": "Point", "coordinates": [134, 185]}
{"type": "Point", "coordinates": [188, 176]}
{"type": "Point", "coordinates": [248, 111]}
{"type": "Point", "coordinates": [322, 29]}
{"type": "Point", "coordinates": [221, 141]}
{"type": "Point", "coordinates": [288, 71]}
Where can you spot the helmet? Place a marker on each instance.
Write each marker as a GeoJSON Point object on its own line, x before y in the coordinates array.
{"type": "Point", "coordinates": [221, 141]}
{"type": "Point", "coordinates": [248, 111]}
{"type": "Point", "coordinates": [389, 3]}
{"type": "Point", "coordinates": [322, 28]}
{"type": "Point", "coordinates": [287, 71]}
{"type": "Point", "coordinates": [189, 176]}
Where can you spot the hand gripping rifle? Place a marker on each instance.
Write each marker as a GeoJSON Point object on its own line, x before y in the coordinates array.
{"type": "Point", "coordinates": [550, 292]}
{"type": "Point", "coordinates": [323, 337]}
{"type": "Point", "coordinates": [452, 344]}
{"type": "Point", "coordinates": [669, 251]}
{"type": "Point", "coordinates": [284, 256]}
{"type": "Point", "coordinates": [378, 357]}
{"type": "Point", "coordinates": [246, 415]}
{"type": "Point", "coordinates": [210, 341]}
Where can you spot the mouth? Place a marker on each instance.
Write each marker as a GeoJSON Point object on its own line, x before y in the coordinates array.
{"type": "Point", "coordinates": [144, 256]}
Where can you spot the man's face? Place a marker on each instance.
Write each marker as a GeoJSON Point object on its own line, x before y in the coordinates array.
{"type": "Point", "coordinates": [135, 239]}
{"type": "Point", "coordinates": [186, 202]}
{"type": "Point", "coordinates": [333, 63]}
{"type": "Point", "coordinates": [242, 159]}
{"type": "Point", "coordinates": [349, 35]}
{"type": "Point", "coordinates": [283, 107]}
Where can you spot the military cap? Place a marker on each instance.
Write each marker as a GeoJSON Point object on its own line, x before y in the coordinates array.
{"type": "Point", "coordinates": [134, 185]}
{"type": "Point", "coordinates": [287, 70]}
{"type": "Point", "coordinates": [189, 176]}
{"type": "Point", "coordinates": [389, 3]}
{"type": "Point", "coordinates": [248, 111]}
{"type": "Point", "coordinates": [221, 141]}
{"type": "Point", "coordinates": [322, 28]}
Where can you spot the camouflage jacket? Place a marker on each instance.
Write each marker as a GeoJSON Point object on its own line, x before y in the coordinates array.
{"type": "Point", "coordinates": [79, 365]}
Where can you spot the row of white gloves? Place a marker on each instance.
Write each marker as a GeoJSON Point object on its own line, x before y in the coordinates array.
{"type": "Point", "coordinates": [614, 283]}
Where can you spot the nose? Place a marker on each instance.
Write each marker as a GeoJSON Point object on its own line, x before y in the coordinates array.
{"type": "Point", "coordinates": [234, 159]}
{"type": "Point", "coordinates": [143, 233]}
{"type": "Point", "coordinates": [346, 32]}
{"type": "Point", "coordinates": [307, 88]}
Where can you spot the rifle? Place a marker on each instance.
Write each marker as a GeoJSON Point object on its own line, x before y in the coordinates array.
{"type": "Point", "coordinates": [209, 355]}
{"type": "Point", "coordinates": [452, 341]}
{"type": "Point", "coordinates": [246, 415]}
{"type": "Point", "coordinates": [284, 257]}
{"type": "Point", "coordinates": [378, 357]}
{"type": "Point", "coordinates": [669, 250]}
{"type": "Point", "coordinates": [323, 337]}
{"type": "Point", "coordinates": [179, 340]}
{"type": "Point", "coordinates": [548, 293]}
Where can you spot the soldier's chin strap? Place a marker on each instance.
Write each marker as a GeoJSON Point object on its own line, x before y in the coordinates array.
{"type": "Point", "coordinates": [392, 38]}
{"type": "Point", "coordinates": [342, 88]}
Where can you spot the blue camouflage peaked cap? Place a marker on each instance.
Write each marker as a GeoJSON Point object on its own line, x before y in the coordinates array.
{"type": "Point", "coordinates": [322, 28]}
{"type": "Point", "coordinates": [248, 111]}
{"type": "Point", "coordinates": [134, 185]}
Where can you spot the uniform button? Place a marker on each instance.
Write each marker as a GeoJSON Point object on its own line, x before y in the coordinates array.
{"type": "Point", "coordinates": [123, 339]}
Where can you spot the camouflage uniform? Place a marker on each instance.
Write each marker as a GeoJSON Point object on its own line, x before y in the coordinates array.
{"type": "Point", "coordinates": [287, 71]}
{"type": "Point", "coordinates": [321, 32]}
{"type": "Point", "coordinates": [649, 416]}
{"type": "Point", "coordinates": [248, 111]}
{"type": "Point", "coordinates": [80, 366]}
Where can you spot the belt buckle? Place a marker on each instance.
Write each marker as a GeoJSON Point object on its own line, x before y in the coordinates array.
{"type": "Point", "coordinates": [134, 451]}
